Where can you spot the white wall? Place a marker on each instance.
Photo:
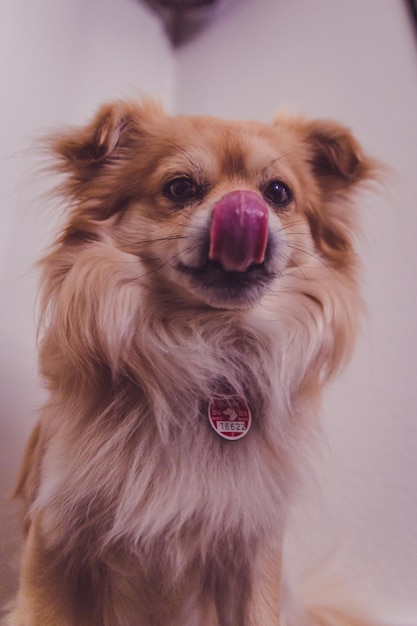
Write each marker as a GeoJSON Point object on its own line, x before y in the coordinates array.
{"type": "Point", "coordinates": [58, 61]}
{"type": "Point", "coordinates": [355, 62]}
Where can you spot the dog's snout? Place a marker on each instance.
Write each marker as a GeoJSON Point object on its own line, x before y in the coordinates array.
{"type": "Point", "coordinates": [239, 231]}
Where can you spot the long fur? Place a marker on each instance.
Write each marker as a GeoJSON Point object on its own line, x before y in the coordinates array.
{"type": "Point", "coordinates": [137, 512]}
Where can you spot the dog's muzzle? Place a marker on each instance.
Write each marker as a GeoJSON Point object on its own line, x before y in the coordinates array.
{"type": "Point", "coordinates": [239, 231]}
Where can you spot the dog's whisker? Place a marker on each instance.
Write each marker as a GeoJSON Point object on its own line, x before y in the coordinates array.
{"type": "Point", "coordinates": [157, 240]}
{"type": "Point", "coordinates": [291, 233]}
{"type": "Point", "coordinates": [312, 254]}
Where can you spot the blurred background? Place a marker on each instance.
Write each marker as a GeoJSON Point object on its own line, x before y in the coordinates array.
{"type": "Point", "coordinates": [355, 62]}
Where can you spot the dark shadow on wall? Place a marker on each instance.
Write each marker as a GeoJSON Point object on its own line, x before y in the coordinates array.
{"type": "Point", "coordinates": [412, 9]}
{"type": "Point", "coordinates": [184, 19]}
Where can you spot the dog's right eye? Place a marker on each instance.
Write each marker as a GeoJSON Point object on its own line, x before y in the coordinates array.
{"type": "Point", "coordinates": [181, 189]}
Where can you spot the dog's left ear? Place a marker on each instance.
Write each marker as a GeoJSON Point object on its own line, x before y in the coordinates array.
{"type": "Point", "coordinates": [335, 154]}
{"type": "Point", "coordinates": [339, 166]}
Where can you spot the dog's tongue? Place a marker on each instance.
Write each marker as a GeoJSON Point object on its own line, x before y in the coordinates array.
{"type": "Point", "coordinates": [239, 231]}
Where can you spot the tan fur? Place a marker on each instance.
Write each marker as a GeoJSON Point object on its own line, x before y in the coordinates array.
{"type": "Point", "coordinates": [138, 513]}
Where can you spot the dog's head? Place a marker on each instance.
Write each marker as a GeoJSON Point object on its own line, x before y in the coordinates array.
{"type": "Point", "coordinates": [216, 210]}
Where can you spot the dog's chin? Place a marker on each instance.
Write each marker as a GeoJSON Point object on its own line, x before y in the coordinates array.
{"type": "Point", "coordinates": [227, 290]}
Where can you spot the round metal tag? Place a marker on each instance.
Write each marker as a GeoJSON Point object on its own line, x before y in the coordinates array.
{"type": "Point", "coordinates": [230, 417]}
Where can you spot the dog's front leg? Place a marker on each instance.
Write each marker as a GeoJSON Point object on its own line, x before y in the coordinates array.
{"type": "Point", "coordinates": [41, 599]}
{"type": "Point", "coordinates": [264, 609]}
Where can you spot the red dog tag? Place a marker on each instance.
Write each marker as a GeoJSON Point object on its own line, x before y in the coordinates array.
{"type": "Point", "coordinates": [230, 417]}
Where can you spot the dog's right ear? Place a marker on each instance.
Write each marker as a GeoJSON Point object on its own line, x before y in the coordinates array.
{"type": "Point", "coordinates": [92, 157]}
{"type": "Point", "coordinates": [99, 141]}
{"type": "Point", "coordinates": [94, 143]}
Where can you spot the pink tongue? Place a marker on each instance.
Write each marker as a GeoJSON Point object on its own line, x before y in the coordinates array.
{"type": "Point", "coordinates": [239, 231]}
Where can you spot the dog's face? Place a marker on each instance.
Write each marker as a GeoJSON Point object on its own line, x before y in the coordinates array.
{"type": "Point", "coordinates": [216, 210]}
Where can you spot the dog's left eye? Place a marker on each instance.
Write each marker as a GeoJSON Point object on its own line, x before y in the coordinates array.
{"type": "Point", "coordinates": [278, 193]}
{"type": "Point", "coordinates": [181, 189]}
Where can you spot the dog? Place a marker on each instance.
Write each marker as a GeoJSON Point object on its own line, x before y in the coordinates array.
{"type": "Point", "coordinates": [202, 291]}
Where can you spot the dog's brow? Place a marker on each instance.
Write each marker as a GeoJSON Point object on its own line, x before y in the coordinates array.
{"type": "Point", "coordinates": [233, 163]}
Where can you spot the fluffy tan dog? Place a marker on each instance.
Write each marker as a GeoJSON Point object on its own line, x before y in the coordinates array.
{"type": "Point", "coordinates": [202, 291]}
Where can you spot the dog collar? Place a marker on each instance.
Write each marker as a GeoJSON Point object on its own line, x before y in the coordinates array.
{"type": "Point", "coordinates": [230, 417]}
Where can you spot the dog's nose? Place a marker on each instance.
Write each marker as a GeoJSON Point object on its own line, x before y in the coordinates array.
{"type": "Point", "coordinates": [239, 231]}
